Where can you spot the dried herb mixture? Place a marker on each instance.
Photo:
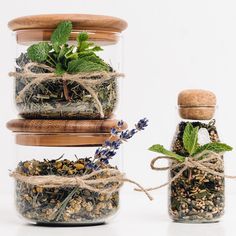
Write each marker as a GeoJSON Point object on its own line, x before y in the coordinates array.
{"type": "Point", "coordinates": [196, 196]}
{"type": "Point", "coordinates": [72, 205]}
{"type": "Point", "coordinates": [65, 204]}
{"type": "Point", "coordinates": [64, 99]}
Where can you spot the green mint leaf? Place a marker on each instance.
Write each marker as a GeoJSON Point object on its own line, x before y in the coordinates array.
{"type": "Point", "coordinates": [96, 49]}
{"type": "Point", "coordinates": [160, 149]}
{"type": "Point", "coordinates": [190, 138]}
{"type": "Point", "coordinates": [59, 69]}
{"type": "Point", "coordinates": [214, 147]}
{"type": "Point", "coordinates": [91, 56]}
{"type": "Point", "coordinates": [61, 34]}
{"type": "Point", "coordinates": [83, 65]}
{"type": "Point", "coordinates": [83, 46]}
{"type": "Point", "coordinates": [69, 51]}
{"type": "Point", "coordinates": [63, 50]}
{"type": "Point", "coordinates": [82, 37]}
{"type": "Point", "coordinates": [38, 52]}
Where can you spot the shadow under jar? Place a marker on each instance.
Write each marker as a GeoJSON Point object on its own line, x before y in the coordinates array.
{"type": "Point", "coordinates": [62, 149]}
{"type": "Point", "coordinates": [57, 97]}
{"type": "Point", "coordinates": [196, 196]}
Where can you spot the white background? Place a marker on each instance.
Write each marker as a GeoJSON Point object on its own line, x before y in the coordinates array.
{"type": "Point", "coordinates": [169, 46]}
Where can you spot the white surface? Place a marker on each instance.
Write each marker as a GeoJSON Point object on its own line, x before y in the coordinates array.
{"type": "Point", "coordinates": [169, 45]}
{"type": "Point", "coordinates": [138, 216]}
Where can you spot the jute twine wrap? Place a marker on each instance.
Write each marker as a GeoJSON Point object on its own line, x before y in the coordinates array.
{"type": "Point", "coordinates": [85, 79]}
{"type": "Point", "coordinates": [111, 183]}
{"type": "Point", "coordinates": [207, 161]}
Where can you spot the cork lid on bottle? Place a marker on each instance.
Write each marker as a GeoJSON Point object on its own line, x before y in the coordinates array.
{"type": "Point", "coordinates": [62, 133]}
{"type": "Point", "coordinates": [196, 104]}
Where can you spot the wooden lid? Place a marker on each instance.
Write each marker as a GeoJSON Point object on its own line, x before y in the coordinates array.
{"type": "Point", "coordinates": [79, 21]}
{"type": "Point", "coordinates": [62, 126]}
{"type": "Point", "coordinates": [62, 132]}
{"type": "Point", "coordinates": [196, 104]}
{"type": "Point", "coordinates": [196, 98]}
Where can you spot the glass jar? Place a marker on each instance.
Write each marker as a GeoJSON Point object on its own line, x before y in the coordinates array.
{"type": "Point", "coordinates": [196, 196]}
{"type": "Point", "coordinates": [66, 97]}
{"type": "Point", "coordinates": [62, 149]}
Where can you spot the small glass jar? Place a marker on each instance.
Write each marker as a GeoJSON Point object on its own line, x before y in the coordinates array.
{"type": "Point", "coordinates": [58, 98]}
{"type": "Point", "coordinates": [62, 148]}
{"type": "Point", "coordinates": [196, 196]}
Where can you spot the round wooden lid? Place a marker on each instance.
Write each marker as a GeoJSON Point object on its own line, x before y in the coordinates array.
{"type": "Point", "coordinates": [79, 21]}
{"type": "Point", "coordinates": [53, 133]}
{"type": "Point", "coordinates": [196, 104]}
{"type": "Point", "coordinates": [62, 126]}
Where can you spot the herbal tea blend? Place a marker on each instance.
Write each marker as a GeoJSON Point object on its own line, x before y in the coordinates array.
{"type": "Point", "coordinates": [63, 204]}
{"type": "Point", "coordinates": [64, 76]}
{"type": "Point", "coordinates": [80, 191]}
{"type": "Point", "coordinates": [197, 179]}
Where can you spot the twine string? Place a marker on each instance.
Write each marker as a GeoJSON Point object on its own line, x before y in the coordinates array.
{"type": "Point", "coordinates": [108, 185]}
{"type": "Point", "coordinates": [85, 79]}
{"type": "Point", "coordinates": [201, 161]}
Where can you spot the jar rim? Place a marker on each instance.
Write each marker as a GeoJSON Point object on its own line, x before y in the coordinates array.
{"type": "Point", "coordinates": [29, 36]}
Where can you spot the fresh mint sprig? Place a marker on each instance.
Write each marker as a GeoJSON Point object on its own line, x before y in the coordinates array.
{"type": "Point", "coordinates": [190, 141]}
{"type": "Point", "coordinates": [214, 147]}
{"type": "Point", "coordinates": [190, 138]}
{"type": "Point", "coordinates": [160, 149]}
{"type": "Point", "coordinates": [68, 58]}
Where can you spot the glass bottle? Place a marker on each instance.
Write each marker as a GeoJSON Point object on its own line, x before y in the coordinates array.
{"type": "Point", "coordinates": [196, 196]}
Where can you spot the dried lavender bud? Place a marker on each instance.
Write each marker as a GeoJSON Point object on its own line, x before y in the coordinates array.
{"type": "Point", "coordinates": [105, 153]}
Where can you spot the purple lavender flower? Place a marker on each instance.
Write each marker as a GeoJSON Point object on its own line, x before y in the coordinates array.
{"type": "Point", "coordinates": [141, 124]}
{"type": "Point", "coordinates": [108, 150]}
{"type": "Point", "coordinates": [120, 123]}
{"type": "Point", "coordinates": [114, 131]}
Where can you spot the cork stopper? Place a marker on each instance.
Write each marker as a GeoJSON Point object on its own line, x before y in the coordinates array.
{"type": "Point", "coordinates": [196, 104]}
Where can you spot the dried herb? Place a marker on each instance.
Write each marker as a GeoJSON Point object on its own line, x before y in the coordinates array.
{"type": "Point", "coordinates": [196, 196]}
{"type": "Point", "coordinates": [62, 205]}
{"type": "Point", "coordinates": [190, 145]}
{"type": "Point", "coordinates": [57, 98]}
{"type": "Point", "coordinates": [72, 204]}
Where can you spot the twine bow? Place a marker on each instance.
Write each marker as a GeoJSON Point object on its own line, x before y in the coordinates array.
{"type": "Point", "coordinates": [201, 161]}
{"type": "Point", "coordinates": [109, 184]}
{"type": "Point", "coordinates": [85, 79]}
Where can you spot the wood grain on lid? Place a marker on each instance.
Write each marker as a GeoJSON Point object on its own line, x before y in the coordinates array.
{"type": "Point", "coordinates": [62, 126]}
{"type": "Point", "coordinates": [79, 21]}
{"type": "Point", "coordinates": [61, 140]}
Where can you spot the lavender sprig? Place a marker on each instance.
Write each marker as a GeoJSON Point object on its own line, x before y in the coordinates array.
{"type": "Point", "coordinates": [109, 149]}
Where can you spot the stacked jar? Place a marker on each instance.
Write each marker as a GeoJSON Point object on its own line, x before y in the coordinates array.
{"type": "Point", "coordinates": [68, 70]}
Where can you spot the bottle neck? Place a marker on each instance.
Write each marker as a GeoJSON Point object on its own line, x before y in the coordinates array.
{"type": "Point", "coordinates": [197, 113]}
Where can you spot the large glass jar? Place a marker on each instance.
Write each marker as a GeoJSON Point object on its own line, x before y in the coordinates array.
{"type": "Point", "coordinates": [63, 148]}
{"type": "Point", "coordinates": [196, 196]}
{"type": "Point", "coordinates": [86, 92]}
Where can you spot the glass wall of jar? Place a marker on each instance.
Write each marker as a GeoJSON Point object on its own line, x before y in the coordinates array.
{"type": "Point", "coordinates": [196, 196]}
{"type": "Point", "coordinates": [68, 66]}
{"type": "Point", "coordinates": [63, 149]}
